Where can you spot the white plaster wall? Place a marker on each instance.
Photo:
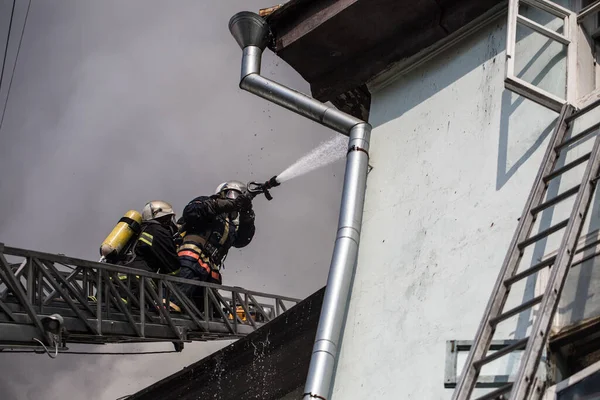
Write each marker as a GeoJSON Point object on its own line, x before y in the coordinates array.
{"type": "Point", "coordinates": [454, 157]}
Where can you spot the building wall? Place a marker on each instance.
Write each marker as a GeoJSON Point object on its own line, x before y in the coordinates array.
{"type": "Point", "coordinates": [454, 156]}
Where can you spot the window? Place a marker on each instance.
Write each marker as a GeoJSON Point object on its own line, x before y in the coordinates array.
{"type": "Point", "coordinates": [583, 385]}
{"type": "Point", "coordinates": [553, 53]}
{"type": "Point", "coordinates": [541, 53]}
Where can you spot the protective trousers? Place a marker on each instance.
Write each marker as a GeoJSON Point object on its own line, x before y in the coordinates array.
{"type": "Point", "coordinates": [197, 273]}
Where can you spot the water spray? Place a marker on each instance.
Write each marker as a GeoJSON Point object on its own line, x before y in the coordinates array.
{"type": "Point", "coordinates": [326, 153]}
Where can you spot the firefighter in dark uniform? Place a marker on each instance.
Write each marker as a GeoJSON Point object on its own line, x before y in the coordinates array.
{"type": "Point", "coordinates": [213, 224]}
{"type": "Point", "coordinates": [155, 249]}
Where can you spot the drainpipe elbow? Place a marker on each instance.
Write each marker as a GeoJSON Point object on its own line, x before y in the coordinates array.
{"type": "Point", "coordinates": [251, 82]}
{"type": "Point", "coordinates": [360, 137]}
{"type": "Point", "coordinates": [251, 59]}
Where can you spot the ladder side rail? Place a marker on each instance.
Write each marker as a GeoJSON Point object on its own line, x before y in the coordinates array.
{"type": "Point", "coordinates": [498, 297]}
{"type": "Point", "coordinates": [557, 279]}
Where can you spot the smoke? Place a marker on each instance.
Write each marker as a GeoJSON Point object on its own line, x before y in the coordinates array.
{"type": "Point", "coordinates": [117, 103]}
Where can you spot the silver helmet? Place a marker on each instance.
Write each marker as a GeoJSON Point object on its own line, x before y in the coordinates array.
{"type": "Point", "coordinates": [231, 189]}
{"type": "Point", "coordinates": [157, 209]}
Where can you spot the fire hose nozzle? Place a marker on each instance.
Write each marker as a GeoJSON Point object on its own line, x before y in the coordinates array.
{"type": "Point", "coordinates": [271, 183]}
{"type": "Point", "coordinates": [255, 188]}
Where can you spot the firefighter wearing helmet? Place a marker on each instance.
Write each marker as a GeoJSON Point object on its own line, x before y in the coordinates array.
{"type": "Point", "coordinates": [155, 250]}
{"type": "Point", "coordinates": [148, 245]}
{"type": "Point", "coordinates": [212, 225]}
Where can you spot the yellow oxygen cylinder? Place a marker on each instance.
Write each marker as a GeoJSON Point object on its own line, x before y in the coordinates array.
{"type": "Point", "coordinates": [121, 234]}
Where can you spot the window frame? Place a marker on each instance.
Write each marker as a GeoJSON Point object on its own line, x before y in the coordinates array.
{"type": "Point", "coordinates": [588, 10]}
{"type": "Point", "coordinates": [568, 38]}
{"type": "Point", "coordinates": [593, 34]}
{"type": "Point", "coordinates": [553, 391]}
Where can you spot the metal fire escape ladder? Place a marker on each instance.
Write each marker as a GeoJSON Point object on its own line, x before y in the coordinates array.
{"type": "Point", "coordinates": [104, 303]}
{"type": "Point", "coordinates": [526, 385]}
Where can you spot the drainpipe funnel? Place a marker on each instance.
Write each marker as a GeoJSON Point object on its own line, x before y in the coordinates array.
{"type": "Point", "coordinates": [249, 29]}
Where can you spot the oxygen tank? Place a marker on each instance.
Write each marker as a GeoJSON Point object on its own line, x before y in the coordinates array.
{"type": "Point", "coordinates": [122, 233]}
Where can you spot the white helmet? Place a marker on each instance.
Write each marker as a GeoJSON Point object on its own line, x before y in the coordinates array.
{"type": "Point", "coordinates": [157, 209]}
{"type": "Point", "coordinates": [231, 189]}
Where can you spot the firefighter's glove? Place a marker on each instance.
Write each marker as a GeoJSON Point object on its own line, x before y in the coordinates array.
{"type": "Point", "coordinates": [178, 240]}
{"type": "Point", "coordinates": [243, 202]}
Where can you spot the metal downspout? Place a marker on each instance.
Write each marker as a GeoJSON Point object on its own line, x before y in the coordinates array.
{"type": "Point", "coordinates": [252, 34]}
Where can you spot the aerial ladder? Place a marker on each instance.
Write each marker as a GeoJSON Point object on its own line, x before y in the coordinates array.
{"type": "Point", "coordinates": [573, 127]}
{"type": "Point", "coordinates": [48, 301]}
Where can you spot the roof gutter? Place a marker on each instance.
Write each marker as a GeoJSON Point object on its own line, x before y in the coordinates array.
{"type": "Point", "coordinates": [252, 34]}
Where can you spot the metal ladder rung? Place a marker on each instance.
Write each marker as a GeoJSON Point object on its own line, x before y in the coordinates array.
{"type": "Point", "coordinates": [543, 234]}
{"type": "Point", "coordinates": [576, 138]}
{"type": "Point", "coordinates": [530, 271]}
{"type": "Point", "coordinates": [496, 393]}
{"type": "Point", "coordinates": [514, 311]}
{"type": "Point", "coordinates": [494, 356]}
{"type": "Point", "coordinates": [567, 167]}
{"type": "Point", "coordinates": [555, 200]}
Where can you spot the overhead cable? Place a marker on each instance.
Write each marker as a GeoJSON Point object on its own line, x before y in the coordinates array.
{"type": "Point", "coordinates": [12, 75]}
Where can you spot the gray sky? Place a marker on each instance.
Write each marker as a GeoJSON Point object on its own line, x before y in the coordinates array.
{"type": "Point", "coordinates": [115, 103]}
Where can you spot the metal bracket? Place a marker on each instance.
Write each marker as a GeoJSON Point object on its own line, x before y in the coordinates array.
{"type": "Point", "coordinates": [483, 381]}
{"type": "Point", "coordinates": [183, 331]}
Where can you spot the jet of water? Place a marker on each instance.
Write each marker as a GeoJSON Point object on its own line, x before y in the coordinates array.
{"type": "Point", "coordinates": [325, 154]}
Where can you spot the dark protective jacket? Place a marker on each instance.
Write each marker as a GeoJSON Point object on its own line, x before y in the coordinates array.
{"type": "Point", "coordinates": [212, 226]}
{"type": "Point", "coordinates": [155, 250]}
